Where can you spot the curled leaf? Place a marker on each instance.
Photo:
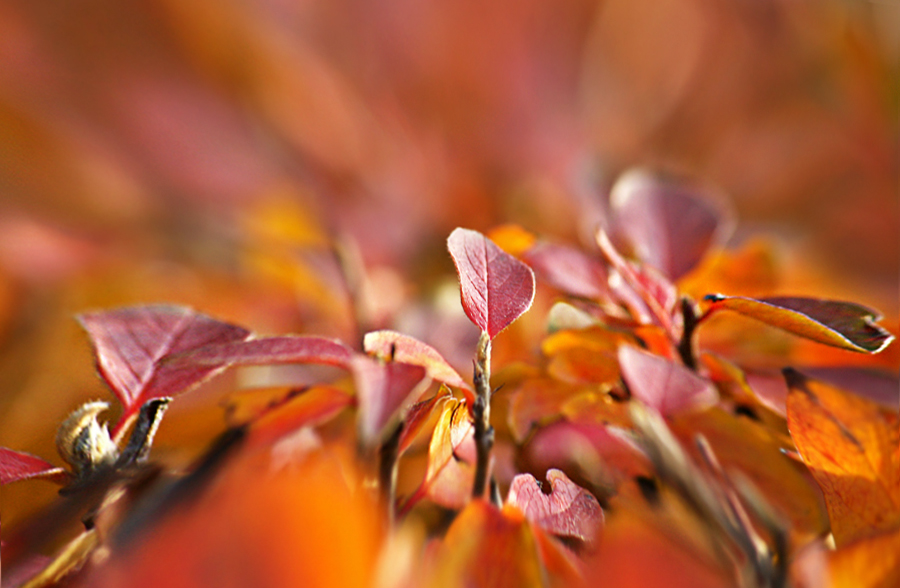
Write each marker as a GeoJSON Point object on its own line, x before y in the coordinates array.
{"type": "Point", "coordinates": [17, 465]}
{"type": "Point", "coordinates": [495, 287]}
{"type": "Point", "coordinates": [836, 323]}
{"type": "Point", "coordinates": [568, 510]}
{"type": "Point", "coordinates": [394, 346]}
{"type": "Point", "coordinates": [660, 383]}
{"type": "Point", "coordinates": [131, 345]}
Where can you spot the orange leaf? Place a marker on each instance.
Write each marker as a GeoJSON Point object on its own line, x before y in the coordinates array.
{"type": "Point", "coordinates": [873, 562]}
{"type": "Point", "coordinates": [851, 448]}
{"type": "Point", "coordinates": [451, 458]}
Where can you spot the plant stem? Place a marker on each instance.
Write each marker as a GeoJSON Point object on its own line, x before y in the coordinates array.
{"type": "Point", "coordinates": [481, 413]}
{"type": "Point", "coordinates": [687, 344]}
{"type": "Point", "coordinates": [387, 469]}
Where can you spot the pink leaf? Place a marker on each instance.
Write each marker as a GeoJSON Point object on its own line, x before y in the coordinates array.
{"type": "Point", "coordinates": [15, 466]}
{"type": "Point", "coordinates": [131, 345]}
{"type": "Point", "coordinates": [662, 384]}
{"type": "Point", "coordinates": [267, 351]}
{"type": "Point", "coordinates": [568, 510]}
{"type": "Point", "coordinates": [383, 390]}
{"type": "Point", "coordinates": [666, 224]}
{"type": "Point", "coordinates": [496, 288]}
{"type": "Point", "coordinates": [569, 270]}
{"type": "Point", "coordinates": [394, 346]}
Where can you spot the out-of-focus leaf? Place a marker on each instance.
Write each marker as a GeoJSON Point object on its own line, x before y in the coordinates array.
{"type": "Point", "coordinates": [489, 548]}
{"type": "Point", "coordinates": [648, 295]}
{"type": "Point", "coordinates": [495, 287]}
{"type": "Point", "coordinates": [567, 510]}
{"type": "Point", "coordinates": [537, 401]}
{"type": "Point", "coordinates": [383, 390]}
{"type": "Point", "coordinates": [16, 465]}
{"type": "Point", "coordinates": [872, 562]}
{"type": "Point", "coordinates": [569, 270]}
{"type": "Point", "coordinates": [267, 351]}
{"type": "Point", "coordinates": [394, 346]}
{"type": "Point", "coordinates": [583, 356]}
{"type": "Point", "coordinates": [132, 344]}
{"type": "Point", "coordinates": [451, 459]}
{"type": "Point", "coordinates": [512, 238]}
{"type": "Point", "coordinates": [665, 223]}
{"type": "Point", "coordinates": [853, 451]}
{"type": "Point", "coordinates": [311, 407]}
{"type": "Point", "coordinates": [417, 417]}
{"type": "Point", "coordinates": [836, 323]}
{"type": "Point", "coordinates": [749, 447]}
{"type": "Point", "coordinates": [663, 384]}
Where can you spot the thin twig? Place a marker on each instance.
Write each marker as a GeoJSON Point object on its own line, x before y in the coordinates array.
{"type": "Point", "coordinates": [481, 413]}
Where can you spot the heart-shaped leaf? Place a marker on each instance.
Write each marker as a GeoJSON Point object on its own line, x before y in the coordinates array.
{"type": "Point", "coordinates": [383, 390]}
{"type": "Point", "coordinates": [131, 345]}
{"type": "Point", "coordinates": [496, 288]}
{"type": "Point", "coordinates": [832, 322]}
{"type": "Point", "coordinates": [666, 224]}
{"type": "Point", "coordinates": [394, 346]}
{"type": "Point", "coordinates": [569, 510]}
{"type": "Point", "coordinates": [853, 451]}
{"type": "Point", "coordinates": [660, 383]}
{"type": "Point", "coordinates": [268, 351]}
{"type": "Point", "coordinates": [16, 465]}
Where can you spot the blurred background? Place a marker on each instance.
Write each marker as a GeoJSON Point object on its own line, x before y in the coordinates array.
{"type": "Point", "coordinates": [251, 157]}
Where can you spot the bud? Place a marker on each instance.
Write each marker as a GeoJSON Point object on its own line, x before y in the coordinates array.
{"type": "Point", "coordinates": [83, 442]}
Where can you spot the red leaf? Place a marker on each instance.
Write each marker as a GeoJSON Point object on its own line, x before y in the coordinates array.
{"type": "Point", "coordinates": [840, 324]}
{"type": "Point", "coordinates": [267, 351]}
{"type": "Point", "coordinates": [496, 288]}
{"type": "Point", "coordinates": [131, 344]}
{"type": "Point", "coordinates": [15, 466]}
{"type": "Point", "coordinates": [394, 346]}
{"type": "Point", "coordinates": [569, 270]}
{"type": "Point", "coordinates": [663, 384]}
{"type": "Point", "coordinates": [383, 389]}
{"type": "Point", "coordinates": [665, 224]}
{"type": "Point", "coordinates": [568, 510]}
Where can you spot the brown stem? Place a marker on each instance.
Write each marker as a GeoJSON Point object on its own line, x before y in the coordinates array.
{"type": "Point", "coordinates": [687, 345]}
{"type": "Point", "coordinates": [388, 454]}
{"type": "Point", "coordinates": [481, 413]}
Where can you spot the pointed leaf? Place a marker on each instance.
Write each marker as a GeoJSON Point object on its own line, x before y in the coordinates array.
{"type": "Point", "coordinates": [660, 383]}
{"type": "Point", "coordinates": [384, 390]}
{"type": "Point", "coordinates": [268, 351]}
{"type": "Point", "coordinates": [311, 407]}
{"type": "Point", "coordinates": [131, 345]}
{"type": "Point", "coordinates": [569, 511]}
{"type": "Point", "coordinates": [495, 287]}
{"type": "Point", "coordinates": [394, 346]}
{"type": "Point", "coordinates": [840, 324]}
{"type": "Point", "coordinates": [569, 270]}
{"type": "Point", "coordinates": [418, 416]}
{"type": "Point", "coordinates": [666, 224]}
{"type": "Point", "coordinates": [16, 465]}
{"type": "Point", "coordinates": [852, 450]}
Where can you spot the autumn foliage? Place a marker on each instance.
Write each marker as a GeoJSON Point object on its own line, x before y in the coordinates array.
{"type": "Point", "coordinates": [368, 369]}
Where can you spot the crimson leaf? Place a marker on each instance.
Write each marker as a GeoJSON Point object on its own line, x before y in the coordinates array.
{"type": "Point", "coordinates": [569, 510]}
{"type": "Point", "coordinates": [660, 383]}
{"type": "Point", "coordinates": [383, 389]}
{"type": "Point", "coordinates": [16, 465]}
{"type": "Point", "coordinates": [836, 323]}
{"type": "Point", "coordinates": [570, 270]}
{"type": "Point", "coordinates": [394, 346]}
{"type": "Point", "coordinates": [131, 345]}
{"type": "Point", "coordinates": [268, 350]}
{"type": "Point", "coordinates": [495, 287]}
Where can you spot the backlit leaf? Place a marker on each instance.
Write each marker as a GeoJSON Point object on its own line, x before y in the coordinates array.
{"type": "Point", "coordinates": [16, 465]}
{"type": "Point", "coordinates": [495, 287]}
{"type": "Point", "coordinates": [840, 324]}
{"type": "Point", "coordinates": [873, 562]}
{"type": "Point", "coordinates": [569, 270]}
{"type": "Point", "coordinates": [308, 408]}
{"type": "Point", "coordinates": [852, 450]}
{"type": "Point", "coordinates": [394, 346]}
{"type": "Point", "coordinates": [417, 417]}
{"type": "Point", "coordinates": [132, 344]}
{"type": "Point", "coordinates": [268, 351]}
{"type": "Point", "coordinates": [665, 223]}
{"type": "Point", "coordinates": [660, 383]}
{"type": "Point", "coordinates": [567, 510]}
{"type": "Point", "coordinates": [383, 390]}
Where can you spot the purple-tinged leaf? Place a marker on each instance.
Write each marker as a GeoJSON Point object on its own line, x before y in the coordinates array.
{"type": "Point", "coordinates": [495, 287]}
{"type": "Point", "coordinates": [131, 345]}
{"type": "Point", "coordinates": [16, 465]}
{"type": "Point", "coordinates": [384, 390]}
{"type": "Point", "coordinates": [569, 270]}
{"type": "Point", "coordinates": [831, 322]}
{"type": "Point", "coordinates": [665, 224]}
{"type": "Point", "coordinates": [268, 351]}
{"type": "Point", "coordinates": [568, 511]}
{"type": "Point", "coordinates": [394, 346]}
{"type": "Point", "coordinates": [662, 384]}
